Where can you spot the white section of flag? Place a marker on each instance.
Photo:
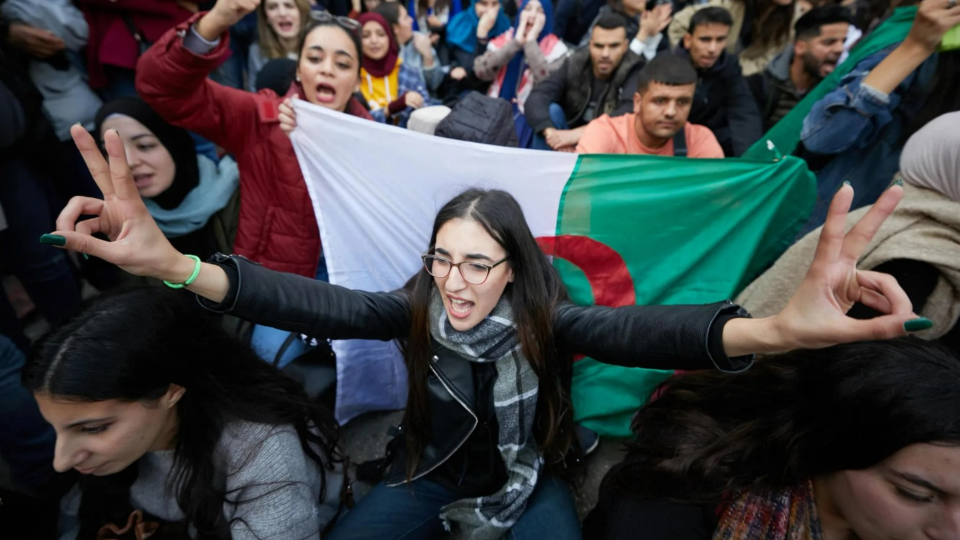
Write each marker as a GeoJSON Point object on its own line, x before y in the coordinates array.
{"type": "Point", "coordinates": [376, 190]}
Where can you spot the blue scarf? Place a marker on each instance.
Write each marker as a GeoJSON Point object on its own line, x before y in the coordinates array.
{"type": "Point", "coordinates": [217, 184]}
{"type": "Point", "coordinates": [516, 67]}
{"type": "Point", "coordinates": [462, 29]}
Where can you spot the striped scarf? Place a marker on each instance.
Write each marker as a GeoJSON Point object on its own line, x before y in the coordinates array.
{"type": "Point", "coordinates": [788, 514]}
{"type": "Point", "coordinates": [515, 401]}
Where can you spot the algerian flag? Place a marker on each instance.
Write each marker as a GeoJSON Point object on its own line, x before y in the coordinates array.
{"type": "Point", "coordinates": [622, 230]}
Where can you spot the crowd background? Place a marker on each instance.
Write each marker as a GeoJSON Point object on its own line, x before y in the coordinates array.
{"type": "Point", "coordinates": [200, 94]}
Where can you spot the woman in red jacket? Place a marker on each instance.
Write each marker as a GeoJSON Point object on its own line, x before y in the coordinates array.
{"type": "Point", "coordinates": [277, 225]}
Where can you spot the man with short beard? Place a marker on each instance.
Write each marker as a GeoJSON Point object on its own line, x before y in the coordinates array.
{"type": "Point", "coordinates": [820, 35]}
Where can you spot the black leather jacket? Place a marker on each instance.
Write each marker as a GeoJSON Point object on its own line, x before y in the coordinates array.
{"type": "Point", "coordinates": [654, 337]}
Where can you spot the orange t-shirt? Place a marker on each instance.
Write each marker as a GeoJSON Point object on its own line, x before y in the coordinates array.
{"type": "Point", "coordinates": [607, 135]}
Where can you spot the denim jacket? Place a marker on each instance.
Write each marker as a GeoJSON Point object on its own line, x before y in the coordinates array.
{"type": "Point", "coordinates": [854, 134]}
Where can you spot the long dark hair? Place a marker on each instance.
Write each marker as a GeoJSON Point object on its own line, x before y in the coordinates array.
{"type": "Point", "coordinates": [771, 23]}
{"type": "Point", "coordinates": [131, 346]}
{"type": "Point", "coordinates": [790, 417]}
{"type": "Point", "coordinates": [534, 293]}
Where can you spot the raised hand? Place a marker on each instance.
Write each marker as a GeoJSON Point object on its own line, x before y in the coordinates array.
{"type": "Point", "coordinates": [539, 21]}
{"type": "Point", "coordinates": [136, 243]}
{"type": "Point", "coordinates": [423, 46]}
{"type": "Point", "coordinates": [816, 316]}
{"type": "Point", "coordinates": [224, 14]}
{"type": "Point", "coordinates": [653, 21]}
{"type": "Point", "coordinates": [487, 20]}
{"type": "Point", "coordinates": [521, 35]}
{"type": "Point", "coordinates": [933, 19]}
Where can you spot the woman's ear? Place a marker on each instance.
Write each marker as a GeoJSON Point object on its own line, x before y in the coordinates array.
{"type": "Point", "coordinates": [173, 395]}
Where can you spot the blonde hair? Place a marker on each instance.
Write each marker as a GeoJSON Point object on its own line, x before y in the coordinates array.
{"type": "Point", "coordinates": [270, 46]}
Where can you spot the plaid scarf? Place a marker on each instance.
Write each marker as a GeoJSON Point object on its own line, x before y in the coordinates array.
{"type": "Point", "coordinates": [515, 401]}
{"type": "Point", "coordinates": [788, 514]}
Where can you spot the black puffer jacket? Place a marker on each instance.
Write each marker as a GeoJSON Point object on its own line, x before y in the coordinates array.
{"type": "Point", "coordinates": [482, 119]}
{"type": "Point", "coordinates": [654, 337]}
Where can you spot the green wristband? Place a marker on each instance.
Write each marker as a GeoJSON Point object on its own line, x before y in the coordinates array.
{"type": "Point", "coordinates": [191, 279]}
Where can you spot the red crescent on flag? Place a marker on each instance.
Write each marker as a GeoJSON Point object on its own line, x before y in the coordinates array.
{"type": "Point", "coordinates": [605, 269]}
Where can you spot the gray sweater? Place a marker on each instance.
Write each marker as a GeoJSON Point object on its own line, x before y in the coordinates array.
{"type": "Point", "coordinates": [252, 459]}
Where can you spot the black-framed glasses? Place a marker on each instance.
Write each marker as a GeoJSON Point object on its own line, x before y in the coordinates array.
{"type": "Point", "coordinates": [471, 272]}
{"type": "Point", "coordinates": [345, 22]}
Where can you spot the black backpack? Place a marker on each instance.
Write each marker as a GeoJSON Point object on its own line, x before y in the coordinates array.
{"type": "Point", "coordinates": [482, 119]}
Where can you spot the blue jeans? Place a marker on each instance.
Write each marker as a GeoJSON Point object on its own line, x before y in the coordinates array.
{"type": "Point", "coordinates": [26, 440]}
{"type": "Point", "coordinates": [559, 119]}
{"type": "Point", "coordinates": [28, 199]}
{"type": "Point", "coordinates": [266, 341]}
{"type": "Point", "coordinates": [412, 512]}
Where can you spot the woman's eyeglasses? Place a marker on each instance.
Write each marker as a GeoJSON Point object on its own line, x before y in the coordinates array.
{"type": "Point", "coordinates": [471, 272]}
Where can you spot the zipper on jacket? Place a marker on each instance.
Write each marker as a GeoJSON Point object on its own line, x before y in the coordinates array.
{"type": "Point", "coordinates": [473, 428]}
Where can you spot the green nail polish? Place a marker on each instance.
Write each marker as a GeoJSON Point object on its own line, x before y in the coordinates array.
{"type": "Point", "coordinates": [916, 325]}
{"type": "Point", "coordinates": [898, 182]}
{"type": "Point", "coordinates": [53, 240]}
{"type": "Point", "coordinates": [85, 257]}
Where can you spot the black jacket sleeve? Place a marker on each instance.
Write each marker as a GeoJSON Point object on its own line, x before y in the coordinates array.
{"type": "Point", "coordinates": [758, 89]}
{"type": "Point", "coordinates": [316, 308]}
{"type": "Point", "coordinates": [550, 90]}
{"type": "Point", "coordinates": [630, 85]}
{"type": "Point", "coordinates": [743, 115]}
{"type": "Point", "coordinates": [653, 337]}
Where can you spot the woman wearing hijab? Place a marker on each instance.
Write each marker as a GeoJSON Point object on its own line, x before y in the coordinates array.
{"type": "Point", "coordinates": [193, 199]}
{"type": "Point", "coordinates": [391, 88]}
{"type": "Point", "coordinates": [919, 245]}
{"type": "Point", "coordinates": [523, 56]}
{"type": "Point", "coordinates": [469, 33]}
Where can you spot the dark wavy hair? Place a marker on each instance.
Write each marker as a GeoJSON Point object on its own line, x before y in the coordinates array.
{"type": "Point", "coordinates": [535, 292]}
{"type": "Point", "coordinates": [789, 418]}
{"type": "Point", "coordinates": [771, 23]}
{"type": "Point", "coordinates": [131, 346]}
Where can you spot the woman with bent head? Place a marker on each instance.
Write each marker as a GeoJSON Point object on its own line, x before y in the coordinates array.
{"type": "Point", "coordinates": [488, 336]}
{"type": "Point", "coordinates": [165, 415]}
{"type": "Point", "coordinates": [856, 441]}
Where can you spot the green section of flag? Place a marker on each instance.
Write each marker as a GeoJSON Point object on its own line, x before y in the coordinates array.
{"type": "Point", "coordinates": [785, 135]}
{"type": "Point", "coordinates": [690, 231]}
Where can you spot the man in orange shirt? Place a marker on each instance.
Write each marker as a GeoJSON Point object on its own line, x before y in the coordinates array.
{"type": "Point", "coordinates": [658, 125]}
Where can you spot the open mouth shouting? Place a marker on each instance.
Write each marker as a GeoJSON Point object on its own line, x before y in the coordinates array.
{"type": "Point", "coordinates": [326, 93]}
{"type": "Point", "coordinates": [458, 307]}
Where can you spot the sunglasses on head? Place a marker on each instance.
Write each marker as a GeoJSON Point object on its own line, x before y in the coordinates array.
{"type": "Point", "coordinates": [344, 22]}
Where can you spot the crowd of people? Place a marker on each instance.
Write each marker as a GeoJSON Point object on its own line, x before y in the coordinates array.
{"type": "Point", "coordinates": [147, 144]}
